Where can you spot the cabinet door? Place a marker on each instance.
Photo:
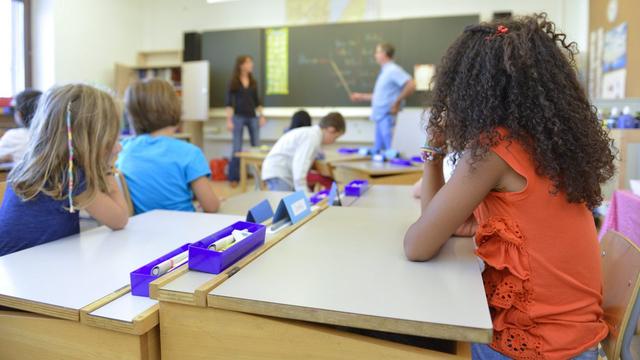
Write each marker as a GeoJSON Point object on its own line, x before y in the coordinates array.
{"type": "Point", "coordinates": [195, 90]}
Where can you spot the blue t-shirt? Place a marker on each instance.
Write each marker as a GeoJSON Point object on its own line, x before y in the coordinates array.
{"type": "Point", "coordinates": [389, 85]}
{"type": "Point", "coordinates": [159, 171]}
{"type": "Point", "coordinates": [24, 224]}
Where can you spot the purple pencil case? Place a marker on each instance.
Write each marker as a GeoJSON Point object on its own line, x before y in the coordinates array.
{"type": "Point", "coordinates": [214, 262]}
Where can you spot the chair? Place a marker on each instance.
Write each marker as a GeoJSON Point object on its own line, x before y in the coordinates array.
{"type": "Point", "coordinates": [122, 183]}
{"type": "Point", "coordinates": [621, 278]}
{"type": "Point", "coordinates": [3, 188]}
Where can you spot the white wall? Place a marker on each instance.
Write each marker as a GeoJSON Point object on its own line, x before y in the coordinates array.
{"type": "Point", "coordinates": [80, 40]}
{"type": "Point", "coordinates": [165, 20]}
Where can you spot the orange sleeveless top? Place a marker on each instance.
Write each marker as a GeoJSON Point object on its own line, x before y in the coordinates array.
{"type": "Point", "coordinates": [542, 272]}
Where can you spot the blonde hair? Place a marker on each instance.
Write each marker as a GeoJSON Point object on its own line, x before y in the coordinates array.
{"type": "Point", "coordinates": [95, 123]}
{"type": "Point", "coordinates": [152, 105]}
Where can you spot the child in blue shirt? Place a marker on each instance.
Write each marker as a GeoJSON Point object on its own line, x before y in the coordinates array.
{"type": "Point", "coordinates": [162, 172]}
{"type": "Point", "coordinates": [68, 166]}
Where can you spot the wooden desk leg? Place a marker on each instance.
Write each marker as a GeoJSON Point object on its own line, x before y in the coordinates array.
{"type": "Point", "coordinates": [243, 174]}
{"type": "Point", "coordinates": [190, 332]}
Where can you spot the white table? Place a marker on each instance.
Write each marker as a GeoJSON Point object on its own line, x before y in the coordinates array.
{"type": "Point", "coordinates": [66, 275]}
{"type": "Point", "coordinates": [334, 271]}
{"type": "Point", "coordinates": [240, 204]}
{"type": "Point", "coordinates": [85, 278]}
{"type": "Point", "coordinates": [388, 197]}
{"type": "Point", "coordinates": [345, 267]}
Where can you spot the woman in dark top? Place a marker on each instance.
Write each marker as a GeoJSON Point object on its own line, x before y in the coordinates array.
{"type": "Point", "coordinates": [243, 109]}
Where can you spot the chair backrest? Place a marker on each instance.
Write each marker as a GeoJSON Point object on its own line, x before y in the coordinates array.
{"type": "Point", "coordinates": [122, 183]}
{"type": "Point", "coordinates": [621, 278]}
{"type": "Point", "coordinates": [3, 188]}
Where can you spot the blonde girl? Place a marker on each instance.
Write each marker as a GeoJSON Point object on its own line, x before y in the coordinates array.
{"type": "Point", "coordinates": [67, 167]}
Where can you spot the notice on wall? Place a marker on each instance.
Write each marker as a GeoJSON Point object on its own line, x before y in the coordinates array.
{"type": "Point", "coordinates": [277, 61]}
{"type": "Point", "coordinates": [614, 84]}
{"type": "Point", "coordinates": [614, 63]}
{"type": "Point", "coordinates": [422, 74]}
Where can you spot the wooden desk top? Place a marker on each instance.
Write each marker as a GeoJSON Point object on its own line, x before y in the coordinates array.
{"type": "Point", "coordinates": [240, 204]}
{"type": "Point", "coordinates": [389, 197]}
{"type": "Point", "coordinates": [347, 267]}
{"type": "Point", "coordinates": [61, 277]}
{"type": "Point", "coordinates": [192, 287]}
{"type": "Point", "coordinates": [374, 168]}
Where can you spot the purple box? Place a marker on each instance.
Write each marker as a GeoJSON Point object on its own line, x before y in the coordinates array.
{"type": "Point", "coordinates": [400, 162]}
{"type": "Point", "coordinates": [321, 195]}
{"type": "Point", "coordinates": [356, 188]}
{"type": "Point", "coordinates": [141, 277]}
{"type": "Point", "coordinates": [214, 262]}
{"type": "Point", "coordinates": [417, 160]}
{"type": "Point", "coordinates": [345, 150]}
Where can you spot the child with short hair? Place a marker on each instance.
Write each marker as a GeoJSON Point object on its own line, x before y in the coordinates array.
{"type": "Point", "coordinates": [531, 157]}
{"type": "Point", "coordinates": [300, 118]}
{"type": "Point", "coordinates": [287, 164]}
{"type": "Point", "coordinates": [68, 166]}
{"type": "Point", "coordinates": [162, 172]}
{"type": "Point", "coordinates": [13, 144]}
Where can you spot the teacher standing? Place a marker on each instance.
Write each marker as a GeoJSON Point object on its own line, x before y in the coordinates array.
{"type": "Point", "coordinates": [392, 87]}
{"type": "Point", "coordinates": [243, 108]}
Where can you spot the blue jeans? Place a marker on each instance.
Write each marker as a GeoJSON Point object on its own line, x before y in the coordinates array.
{"type": "Point", "coordinates": [277, 184]}
{"type": "Point", "coordinates": [384, 133]}
{"type": "Point", "coordinates": [484, 352]}
{"type": "Point", "coordinates": [239, 122]}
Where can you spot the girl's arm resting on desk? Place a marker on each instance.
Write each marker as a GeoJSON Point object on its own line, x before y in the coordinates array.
{"type": "Point", "coordinates": [205, 195]}
{"type": "Point", "coordinates": [110, 209]}
{"type": "Point", "coordinates": [446, 206]}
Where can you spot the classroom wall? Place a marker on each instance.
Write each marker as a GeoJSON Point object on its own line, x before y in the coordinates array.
{"type": "Point", "coordinates": [80, 40]}
{"type": "Point", "coordinates": [165, 20]}
{"type": "Point", "coordinates": [628, 11]}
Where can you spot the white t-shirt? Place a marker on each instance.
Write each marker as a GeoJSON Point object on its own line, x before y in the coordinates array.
{"type": "Point", "coordinates": [14, 142]}
{"type": "Point", "coordinates": [291, 157]}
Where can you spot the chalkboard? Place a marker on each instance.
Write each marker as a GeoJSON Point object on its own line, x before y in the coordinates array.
{"type": "Point", "coordinates": [221, 49]}
{"type": "Point", "coordinates": [317, 53]}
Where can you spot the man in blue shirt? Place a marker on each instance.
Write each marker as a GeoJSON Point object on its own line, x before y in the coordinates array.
{"type": "Point", "coordinates": [393, 85]}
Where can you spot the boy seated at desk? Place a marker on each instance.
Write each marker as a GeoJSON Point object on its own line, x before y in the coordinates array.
{"type": "Point", "coordinates": [162, 172]}
{"type": "Point", "coordinates": [287, 164]}
{"type": "Point", "coordinates": [13, 144]}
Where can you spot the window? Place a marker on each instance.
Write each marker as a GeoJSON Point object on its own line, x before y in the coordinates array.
{"type": "Point", "coordinates": [13, 45]}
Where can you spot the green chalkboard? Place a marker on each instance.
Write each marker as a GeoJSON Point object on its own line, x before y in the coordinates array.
{"type": "Point", "coordinates": [317, 53]}
{"type": "Point", "coordinates": [221, 49]}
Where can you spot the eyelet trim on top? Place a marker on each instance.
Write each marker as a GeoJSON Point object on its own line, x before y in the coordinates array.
{"type": "Point", "coordinates": [507, 285]}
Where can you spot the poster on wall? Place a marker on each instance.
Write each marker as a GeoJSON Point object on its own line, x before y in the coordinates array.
{"type": "Point", "coordinates": [423, 73]}
{"type": "Point", "coordinates": [614, 63]}
{"type": "Point", "coordinates": [277, 63]}
{"type": "Point", "coordinates": [596, 41]}
{"type": "Point", "coordinates": [615, 49]}
{"type": "Point", "coordinates": [613, 84]}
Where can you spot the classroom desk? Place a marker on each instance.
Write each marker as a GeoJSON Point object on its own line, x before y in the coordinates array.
{"type": "Point", "coordinates": [240, 204]}
{"type": "Point", "coordinates": [76, 293]}
{"type": "Point", "coordinates": [324, 166]}
{"type": "Point", "coordinates": [191, 287]}
{"type": "Point", "coordinates": [286, 303]}
{"type": "Point", "coordinates": [388, 197]}
{"type": "Point", "coordinates": [377, 173]}
{"type": "Point", "coordinates": [5, 168]}
{"type": "Point", "coordinates": [249, 158]}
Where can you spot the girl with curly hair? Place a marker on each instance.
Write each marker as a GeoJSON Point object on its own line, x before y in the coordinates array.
{"type": "Point", "coordinates": [531, 156]}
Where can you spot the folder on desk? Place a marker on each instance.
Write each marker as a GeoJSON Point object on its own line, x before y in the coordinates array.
{"type": "Point", "coordinates": [260, 212]}
{"type": "Point", "coordinates": [294, 208]}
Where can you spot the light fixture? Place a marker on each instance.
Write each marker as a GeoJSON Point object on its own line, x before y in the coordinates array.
{"type": "Point", "coordinates": [218, 1]}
